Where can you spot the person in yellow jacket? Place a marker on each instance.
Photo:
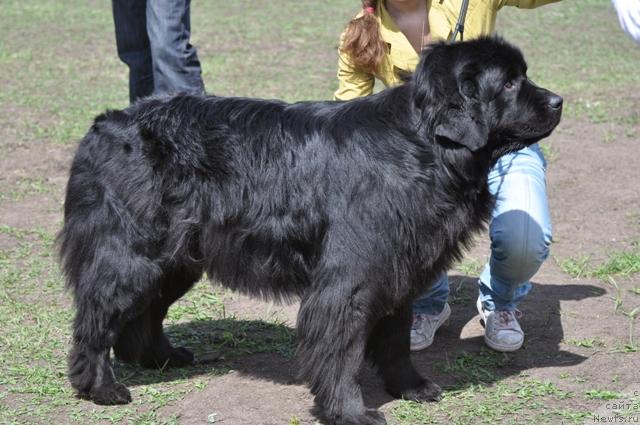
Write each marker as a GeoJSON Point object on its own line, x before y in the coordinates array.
{"type": "Point", "coordinates": [383, 42]}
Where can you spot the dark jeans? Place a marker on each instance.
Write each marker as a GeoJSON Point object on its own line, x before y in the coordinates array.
{"type": "Point", "coordinates": [152, 37]}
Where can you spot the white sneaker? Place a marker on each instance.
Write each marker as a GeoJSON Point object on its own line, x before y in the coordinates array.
{"type": "Point", "coordinates": [425, 326]}
{"type": "Point", "coordinates": [502, 331]}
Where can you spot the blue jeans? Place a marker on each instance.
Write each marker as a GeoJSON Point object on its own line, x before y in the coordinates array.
{"type": "Point", "coordinates": [520, 232]}
{"type": "Point", "coordinates": [152, 37]}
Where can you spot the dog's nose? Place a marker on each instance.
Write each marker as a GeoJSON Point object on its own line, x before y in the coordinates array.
{"type": "Point", "coordinates": [555, 101]}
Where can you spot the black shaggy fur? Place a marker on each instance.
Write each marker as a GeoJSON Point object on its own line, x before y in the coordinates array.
{"type": "Point", "coordinates": [354, 208]}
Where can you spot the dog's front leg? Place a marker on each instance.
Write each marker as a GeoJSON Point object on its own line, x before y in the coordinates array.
{"type": "Point", "coordinates": [389, 349]}
{"type": "Point", "coordinates": [332, 330]}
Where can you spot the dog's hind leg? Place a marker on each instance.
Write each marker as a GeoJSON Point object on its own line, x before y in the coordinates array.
{"type": "Point", "coordinates": [107, 294]}
{"type": "Point", "coordinates": [389, 349]}
{"type": "Point", "coordinates": [143, 339]}
{"type": "Point", "coordinates": [332, 329]}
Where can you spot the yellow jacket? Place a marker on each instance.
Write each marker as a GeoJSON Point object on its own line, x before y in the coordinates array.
{"type": "Point", "coordinates": [402, 58]}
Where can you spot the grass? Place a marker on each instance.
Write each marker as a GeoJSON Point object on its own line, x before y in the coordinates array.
{"type": "Point", "coordinates": [618, 263]}
{"type": "Point", "coordinates": [34, 343]}
{"type": "Point", "coordinates": [296, 61]}
{"type": "Point", "coordinates": [477, 368]}
{"type": "Point", "coordinates": [586, 342]}
{"type": "Point", "coordinates": [621, 263]}
{"type": "Point", "coordinates": [587, 64]}
{"type": "Point", "coordinates": [577, 267]}
{"type": "Point", "coordinates": [525, 401]}
{"type": "Point", "coordinates": [24, 187]}
{"type": "Point", "coordinates": [603, 395]}
{"type": "Point", "coordinates": [470, 266]}
{"type": "Point", "coordinates": [59, 68]}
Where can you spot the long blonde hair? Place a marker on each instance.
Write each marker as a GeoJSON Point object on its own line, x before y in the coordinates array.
{"type": "Point", "coordinates": [362, 39]}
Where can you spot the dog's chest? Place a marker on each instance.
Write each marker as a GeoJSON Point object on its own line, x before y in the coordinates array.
{"type": "Point", "coordinates": [449, 225]}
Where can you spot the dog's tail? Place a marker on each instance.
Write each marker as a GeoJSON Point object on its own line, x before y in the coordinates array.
{"type": "Point", "coordinates": [82, 199]}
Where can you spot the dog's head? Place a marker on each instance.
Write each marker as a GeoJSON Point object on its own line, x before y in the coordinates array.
{"type": "Point", "coordinates": [476, 94]}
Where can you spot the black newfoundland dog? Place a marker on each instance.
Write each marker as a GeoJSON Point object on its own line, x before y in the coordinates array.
{"type": "Point", "coordinates": [352, 207]}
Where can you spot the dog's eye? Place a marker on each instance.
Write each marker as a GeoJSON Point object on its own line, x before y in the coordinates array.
{"type": "Point", "coordinates": [508, 85]}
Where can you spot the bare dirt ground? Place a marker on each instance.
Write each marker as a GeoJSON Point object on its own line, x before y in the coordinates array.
{"type": "Point", "coordinates": [593, 182]}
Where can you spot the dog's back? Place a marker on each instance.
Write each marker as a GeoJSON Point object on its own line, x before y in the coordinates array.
{"type": "Point", "coordinates": [196, 182]}
{"type": "Point", "coordinates": [241, 188]}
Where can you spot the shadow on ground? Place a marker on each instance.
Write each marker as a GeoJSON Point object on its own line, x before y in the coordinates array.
{"type": "Point", "coordinates": [446, 361]}
{"type": "Point", "coordinates": [458, 357]}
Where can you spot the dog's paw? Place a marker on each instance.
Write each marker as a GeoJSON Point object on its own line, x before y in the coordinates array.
{"type": "Point", "coordinates": [427, 391]}
{"type": "Point", "coordinates": [177, 357]}
{"type": "Point", "coordinates": [374, 417]}
{"type": "Point", "coordinates": [369, 417]}
{"type": "Point", "coordinates": [114, 393]}
{"type": "Point", "coordinates": [181, 356]}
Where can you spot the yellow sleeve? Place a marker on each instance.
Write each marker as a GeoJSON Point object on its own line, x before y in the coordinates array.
{"type": "Point", "coordinates": [352, 82]}
{"type": "Point", "coordinates": [525, 4]}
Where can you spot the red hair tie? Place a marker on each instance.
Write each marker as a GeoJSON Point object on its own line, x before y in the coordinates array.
{"type": "Point", "coordinates": [369, 9]}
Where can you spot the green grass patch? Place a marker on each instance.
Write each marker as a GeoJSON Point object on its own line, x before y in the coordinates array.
{"type": "Point", "coordinates": [480, 367]}
{"type": "Point", "coordinates": [470, 266]}
{"type": "Point", "coordinates": [526, 401]}
{"type": "Point", "coordinates": [619, 263]}
{"type": "Point", "coordinates": [25, 187]}
{"type": "Point", "coordinates": [626, 348]}
{"type": "Point", "coordinates": [603, 395]}
{"type": "Point", "coordinates": [586, 342]}
{"type": "Point", "coordinates": [576, 266]}
{"type": "Point", "coordinates": [232, 337]}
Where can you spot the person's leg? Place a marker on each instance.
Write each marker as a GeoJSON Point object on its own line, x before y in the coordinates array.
{"type": "Point", "coordinates": [430, 311]}
{"type": "Point", "coordinates": [432, 302]}
{"type": "Point", "coordinates": [132, 43]}
{"type": "Point", "coordinates": [176, 67]}
{"type": "Point", "coordinates": [520, 233]}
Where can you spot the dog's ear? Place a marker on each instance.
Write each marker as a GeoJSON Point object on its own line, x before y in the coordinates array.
{"type": "Point", "coordinates": [462, 122]}
{"type": "Point", "coordinates": [467, 81]}
{"type": "Point", "coordinates": [464, 126]}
